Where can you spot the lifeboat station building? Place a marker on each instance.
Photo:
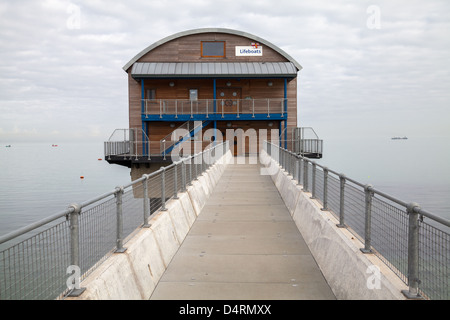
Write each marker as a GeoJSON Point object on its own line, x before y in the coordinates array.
{"type": "Point", "coordinates": [202, 79]}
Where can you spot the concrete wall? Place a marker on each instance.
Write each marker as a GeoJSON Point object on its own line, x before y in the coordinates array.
{"type": "Point", "coordinates": [135, 273]}
{"type": "Point", "coordinates": [350, 273]}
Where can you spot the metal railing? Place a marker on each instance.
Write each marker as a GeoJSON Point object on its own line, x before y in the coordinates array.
{"type": "Point", "coordinates": [208, 107]}
{"type": "Point", "coordinates": [418, 251]}
{"type": "Point", "coordinates": [132, 142]}
{"type": "Point", "coordinates": [36, 261]}
{"type": "Point", "coordinates": [305, 147]}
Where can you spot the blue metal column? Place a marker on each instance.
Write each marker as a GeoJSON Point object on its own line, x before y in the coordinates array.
{"type": "Point", "coordinates": [144, 131]}
{"type": "Point", "coordinates": [286, 114]}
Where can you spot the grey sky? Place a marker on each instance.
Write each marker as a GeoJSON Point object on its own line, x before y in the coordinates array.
{"type": "Point", "coordinates": [370, 68]}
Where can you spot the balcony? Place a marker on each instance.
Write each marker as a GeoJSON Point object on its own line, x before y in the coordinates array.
{"type": "Point", "coordinates": [213, 109]}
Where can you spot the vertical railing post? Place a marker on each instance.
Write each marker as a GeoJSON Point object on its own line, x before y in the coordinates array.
{"type": "Point", "coordinates": [368, 219]}
{"type": "Point", "coordinates": [253, 108]}
{"type": "Point", "coordinates": [299, 170]}
{"type": "Point", "coordinates": [292, 163]}
{"type": "Point", "coordinates": [341, 223]}
{"type": "Point", "coordinates": [202, 158]}
{"type": "Point", "coordinates": [313, 187]}
{"type": "Point", "coordinates": [285, 160]}
{"type": "Point", "coordinates": [74, 235]}
{"type": "Point", "coordinates": [294, 166]}
{"type": "Point", "coordinates": [175, 181]}
{"type": "Point", "coordinates": [413, 252]}
{"type": "Point", "coordinates": [196, 169]}
{"type": "Point", "coordinates": [190, 170]}
{"type": "Point", "coordinates": [119, 219]}
{"type": "Point", "coordinates": [75, 248]}
{"type": "Point", "coordinates": [305, 175]}
{"type": "Point", "coordinates": [325, 189]}
{"type": "Point", "coordinates": [280, 160]}
{"type": "Point", "coordinates": [288, 159]}
{"type": "Point", "coordinates": [183, 176]}
{"type": "Point", "coordinates": [163, 189]}
{"type": "Point", "coordinates": [146, 202]}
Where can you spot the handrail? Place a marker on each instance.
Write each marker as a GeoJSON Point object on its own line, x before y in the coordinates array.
{"type": "Point", "coordinates": [206, 106]}
{"type": "Point", "coordinates": [22, 260]}
{"type": "Point", "coordinates": [299, 167]}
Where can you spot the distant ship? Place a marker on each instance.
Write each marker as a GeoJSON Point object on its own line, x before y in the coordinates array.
{"type": "Point", "coordinates": [399, 138]}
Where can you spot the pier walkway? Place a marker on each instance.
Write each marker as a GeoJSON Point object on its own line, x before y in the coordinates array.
{"type": "Point", "coordinates": [243, 245]}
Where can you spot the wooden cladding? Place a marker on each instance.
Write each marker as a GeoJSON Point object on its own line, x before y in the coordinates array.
{"type": "Point", "coordinates": [189, 49]}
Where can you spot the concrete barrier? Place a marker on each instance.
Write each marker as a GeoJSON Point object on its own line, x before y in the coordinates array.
{"type": "Point", "coordinates": [134, 274]}
{"type": "Point", "coordinates": [351, 274]}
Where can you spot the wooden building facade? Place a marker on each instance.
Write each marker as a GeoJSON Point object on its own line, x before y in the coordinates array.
{"type": "Point", "coordinates": [211, 78]}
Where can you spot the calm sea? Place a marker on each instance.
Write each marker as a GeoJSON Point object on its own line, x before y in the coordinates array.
{"type": "Point", "coordinates": [38, 179]}
{"type": "Point", "coordinates": [412, 170]}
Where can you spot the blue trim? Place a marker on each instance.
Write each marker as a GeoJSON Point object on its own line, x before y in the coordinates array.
{"type": "Point", "coordinates": [238, 77]}
{"type": "Point", "coordinates": [191, 135]}
{"type": "Point", "coordinates": [212, 117]}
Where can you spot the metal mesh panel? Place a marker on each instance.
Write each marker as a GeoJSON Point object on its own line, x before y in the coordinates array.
{"type": "Point", "coordinates": [154, 193]}
{"type": "Point", "coordinates": [133, 209]}
{"type": "Point", "coordinates": [97, 234]}
{"type": "Point", "coordinates": [40, 259]}
{"type": "Point", "coordinates": [390, 235]}
{"type": "Point", "coordinates": [333, 195]}
{"type": "Point", "coordinates": [434, 261]}
{"type": "Point", "coordinates": [319, 185]}
{"type": "Point", "coordinates": [355, 210]}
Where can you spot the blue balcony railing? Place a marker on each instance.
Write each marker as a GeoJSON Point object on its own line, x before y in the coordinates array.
{"type": "Point", "coordinates": [214, 109]}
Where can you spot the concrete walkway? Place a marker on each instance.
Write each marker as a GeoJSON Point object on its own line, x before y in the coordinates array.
{"type": "Point", "coordinates": [243, 245]}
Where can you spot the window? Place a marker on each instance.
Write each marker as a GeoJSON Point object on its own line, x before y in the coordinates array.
{"type": "Point", "coordinates": [213, 49]}
{"type": "Point", "coordinates": [151, 94]}
{"type": "Point", "coordinates": [193, 94]}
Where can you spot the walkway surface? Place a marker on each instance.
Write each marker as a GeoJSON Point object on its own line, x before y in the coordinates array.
{"type": "Point", "coordinates": [243, 245]}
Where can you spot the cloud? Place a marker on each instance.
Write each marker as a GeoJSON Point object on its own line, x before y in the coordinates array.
{"type": "Point", "coordinates": [62, 70]}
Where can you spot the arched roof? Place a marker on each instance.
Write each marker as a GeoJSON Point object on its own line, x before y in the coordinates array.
{"type": "Point", "coordinates": [211, 30]}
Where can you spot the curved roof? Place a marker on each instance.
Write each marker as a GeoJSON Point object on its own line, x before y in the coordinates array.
{"type": "Point", "coordinates": [211, 30]}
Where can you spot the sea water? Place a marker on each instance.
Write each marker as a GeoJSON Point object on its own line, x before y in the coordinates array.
{"type": "Point", "coordinates": [40, 179]}
{"type": "Point", "coordinates": [413, 170]}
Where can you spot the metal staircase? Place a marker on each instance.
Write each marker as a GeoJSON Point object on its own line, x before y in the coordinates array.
{"type": "Point", "coordinates": [187, 131]}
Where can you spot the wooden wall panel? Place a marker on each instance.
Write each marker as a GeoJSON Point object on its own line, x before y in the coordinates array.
{"type": "Point", "coordinates": [187, 49]}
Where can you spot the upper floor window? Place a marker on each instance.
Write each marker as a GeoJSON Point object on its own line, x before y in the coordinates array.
{"type": "Point", "coordinates": [150, 94]}
{"type": "Point", "coordinates": [213, 49]}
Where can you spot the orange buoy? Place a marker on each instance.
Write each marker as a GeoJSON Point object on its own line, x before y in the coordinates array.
{"type": "Point", "coordinates": [82, 177]}
{"type": "Point", "coordinates": [99, 159]}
